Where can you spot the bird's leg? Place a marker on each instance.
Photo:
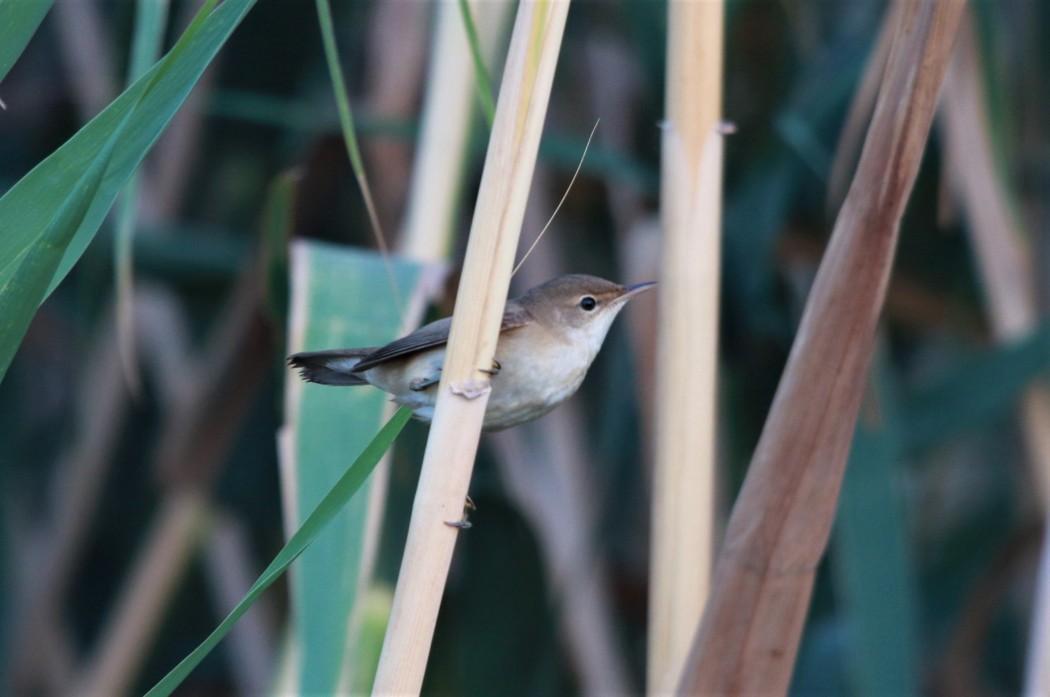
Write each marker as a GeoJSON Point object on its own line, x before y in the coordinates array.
{"type": "Point", "coordinates": [463, 523]}
{"type": "Point", "coordinates": [494, 370]}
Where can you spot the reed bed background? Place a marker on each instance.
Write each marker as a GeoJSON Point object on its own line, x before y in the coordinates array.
{"type": "Point", "coordinates": [142, 493]}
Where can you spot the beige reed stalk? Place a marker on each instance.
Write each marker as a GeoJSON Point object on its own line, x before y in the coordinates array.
{"type": "Point", "coordinates": [1004, 261]}
{"type": "Point", "coordinates": [463, 392]}
{"type": "Point", "coordinates": [441, 157]}
{"type": "Point", "coordinates": [428, 231]}
{"type": "Point", "coordinates": [691, 211]}
{"type": "Point", "coordinates": [748, 639]}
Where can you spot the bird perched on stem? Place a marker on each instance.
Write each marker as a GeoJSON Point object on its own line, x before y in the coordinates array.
{"type": "Point", "coordinates": [548, 339]}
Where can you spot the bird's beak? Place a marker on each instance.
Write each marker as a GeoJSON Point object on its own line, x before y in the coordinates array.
{"type": "Point", "coordinates": [636, 289]}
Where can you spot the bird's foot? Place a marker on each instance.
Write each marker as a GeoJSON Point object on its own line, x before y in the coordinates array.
{"type": "Point", "coordinates": [494, 370]}
{"type": "Point", "coordinates": [463, 523]}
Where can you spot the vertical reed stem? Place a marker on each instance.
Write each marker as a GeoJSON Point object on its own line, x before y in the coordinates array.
{"type": "Point", "coordinates": [441, 156]}
{"type": "Point", "coordinates": [691, 211]}
{"type": "Point", "coordinates": [463, 392]}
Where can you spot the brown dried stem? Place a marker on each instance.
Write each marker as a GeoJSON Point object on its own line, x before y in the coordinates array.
{"type": "Point", "coordinates": [779, 528]}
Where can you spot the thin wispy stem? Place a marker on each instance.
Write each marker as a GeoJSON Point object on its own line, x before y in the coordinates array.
{"type": "Point", "coordinates": [346, 123]}
{"type": "Point", "coordinates": [564, 196]}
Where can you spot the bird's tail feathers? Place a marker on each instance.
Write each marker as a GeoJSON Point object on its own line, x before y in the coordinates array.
{"type": "Point", "coordinates": [330, 367]}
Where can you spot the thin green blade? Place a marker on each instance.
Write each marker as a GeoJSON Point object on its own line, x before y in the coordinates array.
{"type": "Point", "coordinates": [986, 387]}
{"type": "Point", "coordinates": [22, 291]}
{"type": "Point", "coordinates": [325, 511]}
{"type": "Point", "coordinates": [482, 81]}
{"type": "Point", "coordinates": [874, 566]}
{"type": "Point", "coordinates": [19, 20]}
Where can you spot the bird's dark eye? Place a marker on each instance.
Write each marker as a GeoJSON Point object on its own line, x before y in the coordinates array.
{"type": "Point", "coordinates": [587, 303]}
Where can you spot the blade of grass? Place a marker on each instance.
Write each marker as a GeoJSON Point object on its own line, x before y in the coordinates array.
{"type": "Point", "coordinates": [147, 39]}
{"type": "Point", "coordinates": [278, 229]}
{"type": "Point", "coordinates": [985, 387]}
{"type": "Point", "coordinates": [89, 181]}
{"type": "Point", "coordinates": [346, 123]}
{"type": "Point", "coordinates": [230, 566]}
{"type": "Point", "coordinates": [874, 572]}
{"type": "Point", "coordinates": [22, 291]}
{"type": "Point", "coordinates": [312, 526]}
{"type": "Point", "coordinates": [482, 81]}
{"type": "Point", "coordinates": [19, 20]}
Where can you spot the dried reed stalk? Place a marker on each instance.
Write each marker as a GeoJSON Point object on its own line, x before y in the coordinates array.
{"type": "Point", "coordinates": [441, 158]}
{"type": "Point", "coordinates": [463, 395]}
{"type": "Point", "coordinates": [852, 134]}
{"type": "Point", "coordinates": [396, 55]}
{"type": "Point", "coordinates": [691, 212]}
{"type": "Point", "coordinates": [1004, 262]}
{"type": "Point", "coordinates": [192, 449]}
{"type": "Point", "coordinates": [230, 569]}
{"type": "Point", "coordinates": [172, 539]}
{"type": "Point", "coordinates": [779, 528]}
{"type": "Point", "coordinates": [161, 335]}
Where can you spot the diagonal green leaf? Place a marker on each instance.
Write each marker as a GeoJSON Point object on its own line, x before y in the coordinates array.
{"type": "Point", "coordinates": [22, 291]}
{"type": "Point", "coordinates": [873, 564]}
{"type": "Point", "coordinates": [329, 506]}
{"type": "Point", "coordinates": [346, 123]}
{"type": "Point", "coordinates": [482, 80]}
{"type": "Point", "coordinates": [19, 20]}
{"type": "Point", "coordinates": [277, 227]}
{"type": "Point", "coordinates": [149, 104]}
{"type": "Point", "coordinates": [982, 389]}
{"type": "Point", "coordinates": [151, 17]}
{"type": "Point", "coordinates": [342, 99]}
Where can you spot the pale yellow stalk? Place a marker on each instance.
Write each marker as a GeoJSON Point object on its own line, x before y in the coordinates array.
{"type": "Point", "coordinates": [441, 157]}
{"type": "Point", "coordinates": [463, 394]}
{"type": "Point", "coordinates": [691, 211]}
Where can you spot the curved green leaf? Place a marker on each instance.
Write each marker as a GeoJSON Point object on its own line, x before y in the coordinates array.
{"type": "Point", "coordinates": [148, 105]}
{"type": "Point", "coordinates": [19, 20]}
{"type": "Point", "coordinates": [329, 506]}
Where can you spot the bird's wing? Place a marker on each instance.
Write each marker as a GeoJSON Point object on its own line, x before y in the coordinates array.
{"type": "Point", "coordinates": [433, 335]}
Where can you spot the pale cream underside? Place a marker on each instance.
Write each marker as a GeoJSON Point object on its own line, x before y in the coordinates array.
{"type": "Point", "coordinates": [537, 373]}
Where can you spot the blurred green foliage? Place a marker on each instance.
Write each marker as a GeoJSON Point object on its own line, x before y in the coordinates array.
{"type": "Point", "coordinates": [935, 538]}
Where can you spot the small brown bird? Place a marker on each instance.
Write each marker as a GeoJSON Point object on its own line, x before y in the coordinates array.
{"type": "Point", "coordinates": [548, 339]}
